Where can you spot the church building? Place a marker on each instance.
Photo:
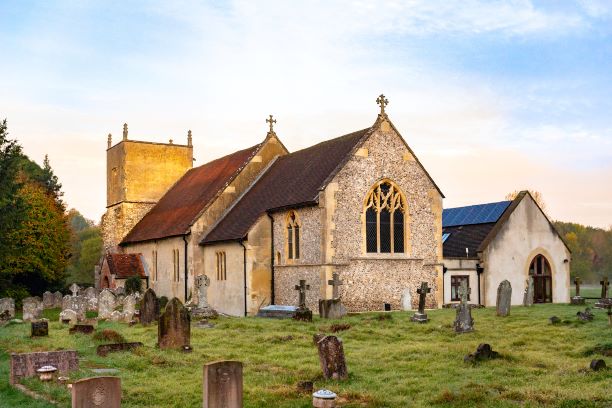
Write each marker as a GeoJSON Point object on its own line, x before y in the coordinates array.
{"type": "Point", "coordinates": [259, 220]}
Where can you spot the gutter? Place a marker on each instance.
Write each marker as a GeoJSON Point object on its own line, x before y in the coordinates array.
{"type": "Point", "coordinates": [244, 257]}
{"type": "Point", "coordinates": [186, 274]}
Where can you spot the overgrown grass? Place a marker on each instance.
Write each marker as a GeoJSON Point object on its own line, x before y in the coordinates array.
{"type": "Point", "coordinates": [591, 291]}
{"type": "Point", "coordinates": [392, 362]}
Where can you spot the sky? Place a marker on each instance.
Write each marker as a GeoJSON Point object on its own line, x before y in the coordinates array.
{"type": "Point", "coordinates": [492, 96]}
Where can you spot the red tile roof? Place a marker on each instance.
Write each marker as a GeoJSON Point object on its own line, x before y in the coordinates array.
{"type": "Point", "coordinates": [292, 180]}
{"type": "Point", "coordinates": [124, 266]}
{"type": "Point", "coordinates": [179, 208]}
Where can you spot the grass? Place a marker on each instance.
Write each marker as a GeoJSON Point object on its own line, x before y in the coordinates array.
{"type": "Point", "coordinates": [590, 291]}
{"type": "Point", "coordinates": [391, 362]}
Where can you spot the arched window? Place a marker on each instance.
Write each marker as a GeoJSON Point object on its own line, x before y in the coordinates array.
{"type": "Point", "coordinates": [293, 236]}
{"type": "Point", "coordinates": [385, 209]}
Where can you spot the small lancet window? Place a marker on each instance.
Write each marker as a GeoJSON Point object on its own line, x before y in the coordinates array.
{"type": "Point", "coordinates": [293, 236]}
{"type": "Point", "coordinates": [385, 208]}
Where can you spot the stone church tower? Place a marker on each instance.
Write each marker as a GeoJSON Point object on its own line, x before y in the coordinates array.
{"type": "Point", "coordinates": [138, 174]}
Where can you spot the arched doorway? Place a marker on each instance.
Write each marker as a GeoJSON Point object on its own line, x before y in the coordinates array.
{"type": "Point", "coordinates": [542, 279]}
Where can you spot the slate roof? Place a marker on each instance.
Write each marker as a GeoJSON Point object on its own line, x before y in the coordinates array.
{"type": "Point", "coordinates": [179, 208]}
{"type": "Point", "coordinates": [124, 266]}
{"type": "Point", "coordinates": [292, 180]}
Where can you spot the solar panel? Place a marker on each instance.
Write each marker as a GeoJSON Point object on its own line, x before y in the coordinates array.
{"type": "Point", "coordinates": [474, 214]}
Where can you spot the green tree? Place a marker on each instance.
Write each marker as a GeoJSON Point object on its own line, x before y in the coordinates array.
{"type": "Point", "coordinates": [133, 284]}
{"type": "Point", "coordinates": [86, 248]}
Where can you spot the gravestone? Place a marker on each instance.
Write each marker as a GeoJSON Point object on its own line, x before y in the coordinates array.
{"type": "Point", "coordinates": [598, 364]}
{"type": "Point", "coordinates": [32, 308]}
{"type": "Point", "coordinates": [90, 292]}
{"type": "Point", "coordinates": [92, 304]}
{"type": "Point", "coordinates": [48, 300]}
{"type": "Point", "coordinates": [81, 328]}
{"type": "Point", "coordinates": [106, 304]}
{"type": "Point", "coordinates": [331, 309]}
{"type": "Point", "coordinates": [504, 298]}
{"type": "Point", "coordinates": [331, 357]}
{"type": "Point", "coordinates": [585, 316]}
{"type": "Point", "coordinates": [39, 328]}
{"type": "Point", "coordinates": [174, 330]}
{"type": "Point", "coordinates": [406, 300]}
{"type": "Point", "coordinates": [302, 313]}
{"type": "Point", "coordinates": [149, 307]}
{"type": "Point", "coordinates": [65, 301]}
{"type": "Point", "coordinates": [483, 352]}
{"type": "Point", "coordinates": [69, 315]}
{"type": "Point", "coordinates": [25, 364]}
{"type": "Point", "coordinates": [222, 386]}
{"type": "Point", "coordinates": [8, 305]}
{"type": "Point", "coordinates": [577, 299]}
{"type": "Point", "coordinates": [97, 392]}
{"type": "Point", "coordinates": [77, 304]}
{"type": "Point", "coordinates": [203, 309]}
{"type": "Point", "coordinates": [421, 316]}
{"type": "Point", "coordinates": [104, 349]}
{"type": "Point", "coordinates": [277, 312]}
{"type": "Point", "coordinates": [58, 299]}
{"type": "Point", "coordinates": [463, 321]}
{"type": "Point", "coordinates": [528, 295]}
{"type": "Point", "coordinates": [74, 288]}
{"type": "Point", "coordinates": [129, 307]}
{"type": "Point", "coordinates": [605, 284]}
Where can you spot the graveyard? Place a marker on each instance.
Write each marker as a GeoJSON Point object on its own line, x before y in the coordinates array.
{"type": "Point", "coordinates": [391, 360]}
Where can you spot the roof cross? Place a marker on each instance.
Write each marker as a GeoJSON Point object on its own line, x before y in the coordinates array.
{"type": "Point", "coordinates": [382, 102]}
{"type": "Point", "coordinates": [271, 122]}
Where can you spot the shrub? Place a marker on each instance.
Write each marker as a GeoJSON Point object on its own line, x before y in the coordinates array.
{"type": "Point", "coordinates": [133, 284]}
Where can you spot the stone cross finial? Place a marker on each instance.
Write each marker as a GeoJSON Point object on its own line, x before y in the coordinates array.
{"type": "Point", "coordinates": [125, 131]}
{"type": "Point", "coordinates": [202, 282]}
{"type": "Point", "coordinates": [74, 288]}
{"type": "Point", "coordinates": [382, 102]}
{"type": "Point", "coordinates": [464, 292]}
{"type": "Point", "coordinates": [577, 281]}
{"type": "Point", "coordinates": [271, 122]}
{"type": "Point", "coordinates": [423, 291]}
{"type": "Point", "coordinates": [189, 139]}
{"type": "Point", "coordinates": [302, 287]}
{"type": "Point", "coordinates": [335, 282]}
{"type": "Point", "coordinates": [110, 140]}
{"type": "Point", "coordinates": [604, 287]}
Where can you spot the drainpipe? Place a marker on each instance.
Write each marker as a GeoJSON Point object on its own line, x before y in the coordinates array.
{"type": "Point", "coordinates": [244, 258]}
{"type": "Point", "coordinates": [479, 271]}
{"type": "Point", "coordinates": [186, 274]}
{"type": "Point", "coordinates": [271, 257]}
{"type": "Point", "coordinates": [444, 269]}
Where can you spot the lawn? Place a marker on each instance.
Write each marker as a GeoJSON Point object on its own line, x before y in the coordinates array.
{"type": "Point", "coordinates": [392, 361]}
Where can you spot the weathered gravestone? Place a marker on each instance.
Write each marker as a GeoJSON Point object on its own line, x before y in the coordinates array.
{"type": "Point", "coordinates": [97, 392]}
{"type": "Point", "coordinates": [25, 364]}
{"type": "Point", "coordinates": [577, 299]}
{"type": "Point", "coordinates": [331, 309]}
{"type": "Point", "coordinates": [174, 330]}
{"type": "Point", "coordinates": [7, 305]}
{"type": "Point", "coordinates": [483, 352]}
{"type": "Point", "coordinates": [81, 328]}
{"type": "Point", "coordinates": [48, 300]}
{"type": "Point", "coordinates": [129, 307]}
{"type": "Point", "coordinates": [104, 349]}
{"type": "Point", "coordinates": [203, 309]}
{"type": "Point", "coordinates": [421, 316]}
{"type": "Point", "coordinates": [106, 304]}
{"type": "Point", "coordinates": [222, 386]}
{"type": "Point", "coordinates": [406, 300]}
{"type": "Point", "coordinates": [585, 316]}
{"type": "Point", "coordinates": [463, 321]}
{"type": "Point", "coordinates": [528, 295]}
{"type": "Point", "coordinates": [58, 299]}
{"type": "Point", "coordinates": [40, 328]}
{"type": "Point", "coordinates": [90, 292]}
{"type": "Point", "coordinates": [302, 313]}
{"type": "Point", "coordinates": [504, 298]}
{"type": "Point", "coordinates": [149, 307]}
{"type": "Point", "coordinates": [68, 316]}
{"type": "Point", "coordinates": [74, 288]}
{"type": "Point", "coordinates": [331, 357]}
{"type": "Point", "coordinates": [77, 304]}
{"type": "Point", "coordinates": [32, 308]}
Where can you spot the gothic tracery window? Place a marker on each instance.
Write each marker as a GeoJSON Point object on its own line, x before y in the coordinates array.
{"type": "Point", "coordinates": [293, 236]}
{"type": "Point", "coordinates": [385, 208]}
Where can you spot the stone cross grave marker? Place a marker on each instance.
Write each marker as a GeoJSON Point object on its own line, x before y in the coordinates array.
{"type": "Point", "coordinates": [577, 299]}
{"type": "Point", "coordinates": [604, 287]}
{"type": "Point", "coordinates": [174, 329]}
{"type": "Point", "coordinates": [74, 288]}
{"type": "Point", "coordinates": [577, 282]}
{"type": "Point", "coordinates": [528, 295]}
{"type": "Point", "coordinates": [331, 357]}
{"type": "Point", "coordinates": [222, 386]}
{"type": "Point", "coordinates": [302, 287]}
{"type": "Point", "coordinates": [202, 283]}
{"type": "Point", "coordinates": [97, 392]}
{"type": "Point", "coordinates": [463, 321]}
{"type": "Point", "coordinates": [149, 307]}
{"type": "Point", "coordinates": [335, 282]}
{"type": "Point", "coordinates": [504, 298]}
{"type": "Point", "coordinates": [421, 316]}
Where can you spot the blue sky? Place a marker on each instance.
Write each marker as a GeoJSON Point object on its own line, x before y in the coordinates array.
{"type": "Point", "coordinates": [492, 96]}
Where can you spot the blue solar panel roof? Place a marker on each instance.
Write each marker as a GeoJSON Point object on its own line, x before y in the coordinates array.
{"type": "Point", "coordinates": [474, 214]}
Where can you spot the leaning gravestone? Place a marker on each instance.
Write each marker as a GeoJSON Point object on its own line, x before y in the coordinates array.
{"type": "Point", "coordinates": [174, 330]}
{"type": "Point", "coordinates": [7, 305]}
{"type": "Point", "coordinates": [222, 385]}
{"type": "Point", "coordinates": [39, 328]}
{"type": "Point", "coordinates": [48, 300]}
{"type": "Point", "coordinates": [149, 307]}
{"type": "Point", "coordinates": [97, 392]}
{"type": "Point", "coordinates": [528, 295]}
{"type": "Point", "coordinates": [32, 308]}
{"type": "Point", "coordinates": [69, 316]}
{"type": "Point", "coordinates": [331, 357]}
{"type": "Point", "coordinates": [504, 298]}
{"type": "Point", "coordinates": [463, 321]}
{"type": "Point", "coordinates": [58, 299]}
{"type": "Point", "coordinates": [106, 304]}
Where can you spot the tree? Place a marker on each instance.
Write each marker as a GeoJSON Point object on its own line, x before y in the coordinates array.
{"type": "Point", "coordinates": [133, 284]}
{"type": "Point", "coordinates": [86, 248]}
{"type": "Point", "coordinates": [537, 196]}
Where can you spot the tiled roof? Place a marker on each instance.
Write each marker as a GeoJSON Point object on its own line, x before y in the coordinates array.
{"type": "Point", "coordinates": [464, 236]}
{"type": "Point", "coordinates": [124, 266]}
{"type": "Point", "coordinates": [292, 180]}
{"type": "Point", "coordinates": [176, 211]}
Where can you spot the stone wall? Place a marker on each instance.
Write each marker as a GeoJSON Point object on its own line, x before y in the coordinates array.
{"type": "Point", "coordinates": [119, 220]}
{"type": "Point", "coordinates": [311, 233]}
{"type": "Point", "coordinates": [25, 364]}
{"type": "Point", "coordinates": [285, 279]}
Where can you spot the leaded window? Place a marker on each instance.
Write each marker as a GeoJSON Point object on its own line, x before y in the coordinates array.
{"type": "Point", "coordinates": [293, 236]}
{"type": "Point", "coordinates": [385, 210]}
